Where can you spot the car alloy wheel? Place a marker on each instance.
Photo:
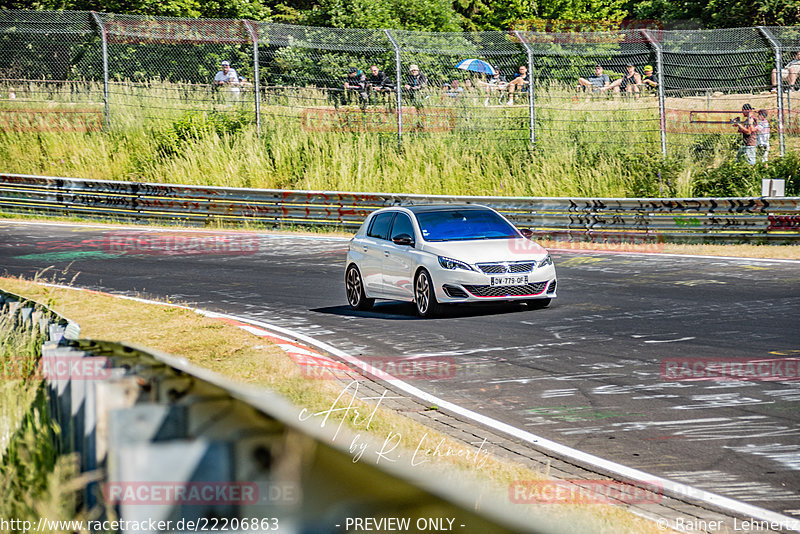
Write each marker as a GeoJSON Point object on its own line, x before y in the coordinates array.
{"type": "Point", "coordinates": [355, 290]}
{"type": "Point", "coordinates": [425, 296]}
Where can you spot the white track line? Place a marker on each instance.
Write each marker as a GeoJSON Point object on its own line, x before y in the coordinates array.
{"type": "Point", "coordinates": [778, 521]}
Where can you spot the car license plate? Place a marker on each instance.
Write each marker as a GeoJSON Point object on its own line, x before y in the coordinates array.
{"type": "Point", "coordinates": [509, 280]}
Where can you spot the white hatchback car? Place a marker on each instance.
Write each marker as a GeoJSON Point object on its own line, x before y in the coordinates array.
{"type": "Point", "coordinates": [441, 254]}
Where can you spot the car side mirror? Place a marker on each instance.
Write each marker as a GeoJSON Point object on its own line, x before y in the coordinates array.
{"type": "Point", "coordinates": [403, 239]}
{"type": "Point", "coordinates": [527, 233]}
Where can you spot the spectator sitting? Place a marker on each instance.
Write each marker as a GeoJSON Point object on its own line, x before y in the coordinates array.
{"type": "Point", "coordinates": [521, 81]}
{"type": "Point", "coordinates": [416, 81]}
{"type": "Point", "coordinates": [789, 73]}
{"type": "Point", "coordinates": [598, 82]}
{"type": "Point", "coordinates": [453, 89]}
{"type": "Point", "coordinates": [629, 82]}
{"type": "Point", "coordinates": [227, 77]}
{"type": "Point", "coordinates": [357, 83]}
{"type": "Point", "coordinates": [496, 82]}
{"type": "Point", "coordinates": [649, 79]}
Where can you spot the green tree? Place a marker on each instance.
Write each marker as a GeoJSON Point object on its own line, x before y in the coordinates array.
{"type": "Point", "coordinates": [423, 15]}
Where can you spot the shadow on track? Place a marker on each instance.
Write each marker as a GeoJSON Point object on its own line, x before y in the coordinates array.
{"type": "Point", "coordinates": [404, 311]}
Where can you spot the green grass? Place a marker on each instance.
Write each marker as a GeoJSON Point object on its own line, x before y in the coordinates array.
{"type": "Point", "coordinates": [598, 146]}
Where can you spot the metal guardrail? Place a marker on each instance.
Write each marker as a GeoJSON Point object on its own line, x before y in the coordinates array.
{"type": "Point", "coordinates": [637, 219]}
{"type": "Point", "coordinates": [150, 423]}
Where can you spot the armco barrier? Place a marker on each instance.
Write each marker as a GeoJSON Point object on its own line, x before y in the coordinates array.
{"type": "Point", "coordinates": [679, 219]}
{"type": "Point", "coordinates": [175, 442]}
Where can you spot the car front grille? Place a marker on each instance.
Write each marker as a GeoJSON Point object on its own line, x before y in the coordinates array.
{"type": "Point", "coordinates": [506, 291]}
{"type": "Point", "coordinates": [508, 267]}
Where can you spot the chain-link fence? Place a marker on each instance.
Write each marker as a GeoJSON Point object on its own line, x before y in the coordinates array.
{"type": "Point", "coordinates": [657, 90]}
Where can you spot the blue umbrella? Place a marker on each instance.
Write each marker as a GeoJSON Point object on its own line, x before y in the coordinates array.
{"type": "Point", "coordinates": [477, 65]}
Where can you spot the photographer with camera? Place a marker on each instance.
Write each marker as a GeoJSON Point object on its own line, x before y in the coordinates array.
{"type": "Point", "coordinates": [746, 127]}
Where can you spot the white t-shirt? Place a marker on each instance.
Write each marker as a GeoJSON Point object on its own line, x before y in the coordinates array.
{"type": "Point", "coordinates": [231, 77]}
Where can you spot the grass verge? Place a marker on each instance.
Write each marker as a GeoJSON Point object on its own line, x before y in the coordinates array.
{"type": "Point", "coordinates": [232, 352]}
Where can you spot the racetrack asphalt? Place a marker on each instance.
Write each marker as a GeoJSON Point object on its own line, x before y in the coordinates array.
{"type": "Point", "coordinates": [588, 372]}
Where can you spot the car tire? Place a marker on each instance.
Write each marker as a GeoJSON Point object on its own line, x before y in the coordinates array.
{"type": "Point", "coordinates": [425, 295]}
{"type": "Point", "coordinates": [538, 304]}
{"type": "Point", "coordinates": [355, 290]}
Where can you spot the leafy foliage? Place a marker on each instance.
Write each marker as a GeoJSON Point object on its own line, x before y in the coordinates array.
{"type": "Point", "coordinates": [448, 15]}
{"type": "Point", "coordinates": [732, 179]}
{"type": "Point", "coordinates": [193, 126]}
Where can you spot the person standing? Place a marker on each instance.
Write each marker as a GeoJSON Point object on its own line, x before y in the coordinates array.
{"type": "Point", "coordinates": [747, 128]}
{"type": "Point", "coordinates": [762, 133]}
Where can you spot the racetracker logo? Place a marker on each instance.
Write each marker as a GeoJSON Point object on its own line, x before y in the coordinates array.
{"type": "Point", "coordinates": [180, 244]}
{"type": "Point", "coordinates": [382, 367]}
{"type": "Point", "coordinates": [582, 492]}
{"type": "Point", "coordinates": [181, 493]}
{"type": "Point", "coordinates": [56, 368]}
{"type": "Point", "coordinates": [378, 120]}
{"type": "Point", "coordinates": [749, 369]}
{"type": "Point", "coordinates": [535, 30]}
{"type": "Point", "coordinates": [601, 241]}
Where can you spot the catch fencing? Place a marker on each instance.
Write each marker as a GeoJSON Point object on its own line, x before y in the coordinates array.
{"type": "Point", "coordinates": [65, 69]}
{"type": "Point", "coordinates": [605, 220]}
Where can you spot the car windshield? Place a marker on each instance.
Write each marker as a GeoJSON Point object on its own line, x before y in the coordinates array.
{"type": "Point", "coordinates": [463, 225]}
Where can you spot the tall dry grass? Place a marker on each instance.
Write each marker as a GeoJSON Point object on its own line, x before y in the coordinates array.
{"type": "Point", "coordinates": [600, 146]}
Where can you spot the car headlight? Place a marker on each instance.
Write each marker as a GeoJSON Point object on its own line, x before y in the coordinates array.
{"type": "Point", "coordinates": [546, 261]}
{"type": "Point", "coordinates": [451, 264]}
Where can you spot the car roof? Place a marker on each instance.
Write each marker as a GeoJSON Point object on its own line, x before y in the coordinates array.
{"type": "Point", "coordinates": [422, 208]}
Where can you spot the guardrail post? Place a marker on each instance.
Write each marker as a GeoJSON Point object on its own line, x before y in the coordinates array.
{"type": "Point", "coordinates": [661, 97]}
{"type": "Point", "coordinates": [778, 80]}
{"type": "Point", "coordinates": [531, 103]}
{"type": "Point", "coordinates": [104, 41]}
{"type": "Point", "coordinates": [399, 87]}
{"type": "Point", "coordinates": [256, 78]}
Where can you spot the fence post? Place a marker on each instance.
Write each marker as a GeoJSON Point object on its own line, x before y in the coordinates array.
{"type": "Point", "coordinates": [531, 102]}
{"type": "Point", "coordinates": [99, 22]}
{"type": "Point", "coordinates": [399, 87]}
{"type": "Point", "coordinates": [662, 114]}
{"type": "Point", "coordinates": [778, 81]}
{"type": "Point", "coordinates": [256, 78]}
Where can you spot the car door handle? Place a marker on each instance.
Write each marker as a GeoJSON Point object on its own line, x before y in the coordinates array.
{"type": "Point", "coordinates": [386, 253]}
{"type": "Point", "coordinates": [366, 248]}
